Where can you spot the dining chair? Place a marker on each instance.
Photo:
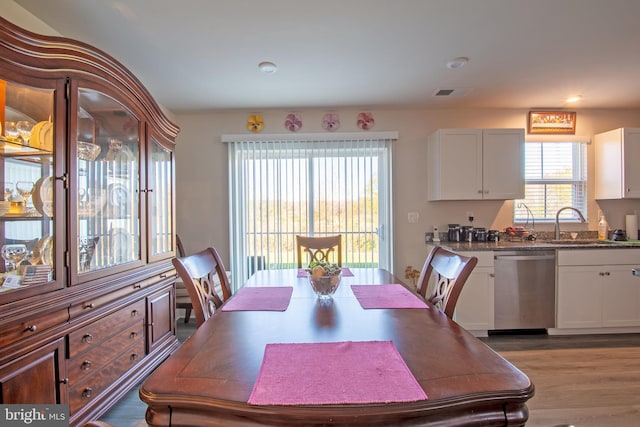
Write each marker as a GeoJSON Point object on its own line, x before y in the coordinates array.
{"type": "Point", "coordinates": [450, 271]}
{"type": "Point", "coordinates": [183, 301]}
{"type": "Point", "coordinates": [198, 273]}
{"type": "Point", "coordinates": [319, 249]}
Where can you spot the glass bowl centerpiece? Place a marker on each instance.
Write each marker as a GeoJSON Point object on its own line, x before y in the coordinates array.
{"type": "Point", "coordinates": [324, 278]}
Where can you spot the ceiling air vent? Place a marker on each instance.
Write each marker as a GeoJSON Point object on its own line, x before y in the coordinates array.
{"type": "Point", "coordinates": [452, 92]}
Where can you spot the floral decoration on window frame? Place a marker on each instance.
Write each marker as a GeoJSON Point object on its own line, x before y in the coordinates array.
{"type": "Point", "coordinates": [293, 122]}
{"type": "Point", "coordinates": [330, 122]}
{"type": "Point", "coordinates": [255, 123]}
{"type": "Point", "coordinates": [365, 120]}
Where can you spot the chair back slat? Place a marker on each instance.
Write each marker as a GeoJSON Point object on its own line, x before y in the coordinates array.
{"type": "Point", "coordinates": [319, 249]}
{"type": "Point", "coordinates": [199, 272]}
{"type": "Point", "coordinates": [443, 276]}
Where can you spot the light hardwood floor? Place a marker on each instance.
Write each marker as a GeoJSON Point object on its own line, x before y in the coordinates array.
{"type": "Point", "coordinates": [585, 381]}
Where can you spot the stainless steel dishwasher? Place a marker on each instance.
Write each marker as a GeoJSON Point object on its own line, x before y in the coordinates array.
{"type": "Point", "coordinates": [525, 289]}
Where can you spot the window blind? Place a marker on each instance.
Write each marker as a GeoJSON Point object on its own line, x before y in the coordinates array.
{"type": "Point", "coordinates": [555, 176]}
{"type": "Point", "coordinates": [317, 185]}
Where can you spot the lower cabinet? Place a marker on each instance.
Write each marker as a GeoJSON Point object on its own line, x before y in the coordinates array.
{"type": "Point", "coordinates": [475, 307]}
{"type": "Point", "coordinates": [596, 289]}
{"type": "Point", "coordinates": [37, 377]}
{"type": "Point", "coordinates": [89, 353]}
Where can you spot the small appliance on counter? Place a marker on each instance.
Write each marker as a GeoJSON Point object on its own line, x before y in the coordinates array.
{"type": "Point", "coordinates": [493, 236]}
{"type": "Point", "coordinates": [618, 235]}
{"type": "Point", "coordinates": [453, 233]}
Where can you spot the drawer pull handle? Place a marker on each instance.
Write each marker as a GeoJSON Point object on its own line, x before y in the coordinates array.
{"type": "Point", "coordinates": [163, 276]}
{"type": "Point", "coordinates": [86, 393]}
{"type": "Point", "coordinates": [137, 286]}
{"type": "Point", "coordinates": [64, 381]}
{"type": "Point", "coordinates": [87, 338]}
{"type": "Point", "coordinates": [86, 365]}
{"type": "Point", "coordinates": [32, 328]}
{"type": "Point", "coordinates": [133, 335]}
{"type": "Point", "coordinates": [90, 305]}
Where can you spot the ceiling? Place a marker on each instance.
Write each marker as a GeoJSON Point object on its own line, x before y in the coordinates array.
{"type": "Point", "coordinates": [199, 55]}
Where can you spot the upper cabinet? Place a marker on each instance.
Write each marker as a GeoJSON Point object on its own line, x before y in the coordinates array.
{"type": "Point", "coordinates": [617, 174]}
{"type": "Point", "coordinates": [32, 175]}
{"type": "Point", "coordinates": [476, 164]}
{"type": "Point", "coordinates": [87, 167]}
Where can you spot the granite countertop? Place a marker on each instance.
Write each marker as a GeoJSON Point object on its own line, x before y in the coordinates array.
{"type": "Point", "coordinates": [505, 245]}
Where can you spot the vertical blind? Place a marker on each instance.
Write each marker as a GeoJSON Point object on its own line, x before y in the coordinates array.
{"type": "Point", "coordinates": [555, 176]}
{"type": "Point", "coordinates": [313, 185]}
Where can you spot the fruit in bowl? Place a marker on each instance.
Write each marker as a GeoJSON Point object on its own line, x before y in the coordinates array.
{"type": "Point", "coordinates": [324, 278]}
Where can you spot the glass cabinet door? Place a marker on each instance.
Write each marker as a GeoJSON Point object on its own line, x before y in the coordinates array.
{"type": "Point", "coordinates": [107, 180]}
{"type": "Point", "coordinates": [160, 195]}
{"type": "Point", "coordinates": [28, 204]}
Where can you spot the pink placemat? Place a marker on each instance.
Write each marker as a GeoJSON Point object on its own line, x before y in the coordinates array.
{"type": "Point", "coordinates": [345, 272]}
{"type": "Point", "coordinates": [386, 296]}
{"type": "Point", "coordinates": [334, 373]}
{"type": "Point", "coordinates": [273, 298]}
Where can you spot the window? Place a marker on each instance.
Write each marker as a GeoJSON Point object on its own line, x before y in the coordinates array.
{"type": "Point", "coordinates": [281, 186]}
{"type": "Point", "coordinates": [555, 176]}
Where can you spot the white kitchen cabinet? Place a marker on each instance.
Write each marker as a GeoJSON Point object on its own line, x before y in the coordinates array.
{"type": "Point", "coordinates": [595, 288]}
{"type": "Point", "coordinates": [475, 308]}
{"type": "Point", "coordinates": [476, 164]}
{"type": "Point", "coordinates": [617, 175]}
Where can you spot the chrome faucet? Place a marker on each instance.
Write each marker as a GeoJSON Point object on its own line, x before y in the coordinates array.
{"type": "Point", "coordinates": [558, 218]}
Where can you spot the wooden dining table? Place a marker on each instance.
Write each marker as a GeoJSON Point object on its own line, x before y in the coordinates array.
{"type": "Point", "coordinates": [209, 380]}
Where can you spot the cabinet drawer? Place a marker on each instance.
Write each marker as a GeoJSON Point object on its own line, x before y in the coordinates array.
{"type": "Point", "coordinates": [94, 360]}
{"type": "Point", "coordinates": [599, 257]}
{"type": "Point", "coordinates": [35, 324]}
{"type": "Point", "coordinates": [94, 334]}
{"type": "Point", "coordinates": [90, 304]}
{"type": "Point", "coordinates": [93, 385]}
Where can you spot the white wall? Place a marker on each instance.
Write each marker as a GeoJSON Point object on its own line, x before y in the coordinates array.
{"type": "Point", "coordinates": [201, 171]}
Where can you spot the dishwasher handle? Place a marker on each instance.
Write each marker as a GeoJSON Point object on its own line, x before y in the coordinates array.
{"type": "Point", "coordinates": [525, 257]}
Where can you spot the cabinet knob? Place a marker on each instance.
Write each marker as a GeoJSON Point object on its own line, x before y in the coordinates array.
{"type": "Point", "coordinates": [32, 328]}
{"type": "Point", "coordinates": [86, 393]}
{"type": "Point", "coordinates": [137, 286]}
{"type": "Point", "coordinates": [134, 313]}
{"type": "Point", "coordinates": [64, 381]}
{"type": "Point", "coordinates": [86, 365]}
{"type": "Point", "coordinates": [87, 338]}
{"type": "Point", "coordinates": [133, 335]}
{"type": "Point", "coordinates": [134, 357]}
{"type": "Point", "coordinates": [607, 274]}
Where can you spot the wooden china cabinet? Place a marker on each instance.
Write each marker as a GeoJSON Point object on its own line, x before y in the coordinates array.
{"type": "Point", "coordinates": [87, 226]}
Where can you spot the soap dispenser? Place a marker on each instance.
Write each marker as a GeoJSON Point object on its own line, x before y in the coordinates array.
{"type": "Point", "coordinates": [603, 227]}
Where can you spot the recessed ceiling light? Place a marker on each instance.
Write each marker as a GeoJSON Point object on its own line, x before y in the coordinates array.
{"type": "Point", "coordinates": [267, 67]}
{"type": "Point", "coordinates": [457, 63]}
{"type": "Point", "coordinates": [574, 98]}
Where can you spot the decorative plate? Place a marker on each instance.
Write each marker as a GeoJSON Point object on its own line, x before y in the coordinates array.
{"type": "Point", "coordinates": [330, 122]}
{"type": "Point", "coordinates": [255, 123]}
{"type": "Point", "coordinates": [43, 251]}
{"type": "Point", "coordinates": [43, 196]}
{"type": "Point", "coordinates": [365, 121]}
{"type": "Point", "coordinates": [293, 122]}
